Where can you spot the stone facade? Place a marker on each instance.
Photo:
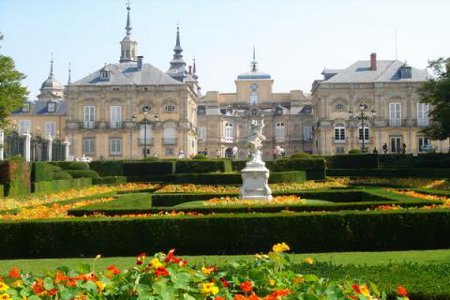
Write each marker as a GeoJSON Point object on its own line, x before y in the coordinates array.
{"type": "Point", "coordinates": [224, 118]}
{"type": "Point", "coordinates": [386, 89]}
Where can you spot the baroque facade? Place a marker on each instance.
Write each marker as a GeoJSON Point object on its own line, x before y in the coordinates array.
{"type": "Point", "coordinates": [392, 117]}
{"type": "Point", "coordinates": [224, 118]}
{"type": "Point", "coordinates": [130, 109]}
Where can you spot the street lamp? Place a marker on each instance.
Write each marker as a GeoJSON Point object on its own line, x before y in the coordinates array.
{"type": "Point", "coordinates": [362, 115]}
{"type": "Point", "coordinates": [145, 110]}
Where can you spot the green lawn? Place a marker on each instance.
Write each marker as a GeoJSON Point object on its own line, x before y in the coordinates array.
{"type": "Point", "coordinates": [341, 258]}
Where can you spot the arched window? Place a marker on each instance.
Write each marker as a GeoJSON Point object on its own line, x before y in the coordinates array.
{"type": "Point", "coordinates": [365, 134]}
{"type": "Point", "coordinates": [279, 132]}
{"type": "Point", "coordinates": [146, 134]}
{"type": "Point", "coordinates": [228, 132]}
{"type": "Point", "coordinates": [339, 133]}
{"type": "Point", "coordinates": [254, 98]}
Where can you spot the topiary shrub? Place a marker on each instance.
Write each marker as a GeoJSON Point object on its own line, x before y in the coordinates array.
{"type": "Point", "coordinates": [42, 171]}
{"type": "Point", "coordinates": [15, 175]}
{"type": "Point", "coordinates": [354, 151]}
{"type": "Point", "coordinates": [202, 166]}
{"type": "Point", "coordinates": [200, 156]}
{"type": "Point", "coordinates": [300, 155]}
{"type": "Point", "coordinates": [107, 167]}
{"type": "Point", "coordinates": [72, 165]}
{"type": "Point", "coordinates": [61, 175]}
{"type": "Point", "coordinates": [83, 173]}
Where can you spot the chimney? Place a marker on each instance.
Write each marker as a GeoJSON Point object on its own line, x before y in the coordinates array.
{"type": "Point", "coordinates": [140, 60]}
{"type": "Point", "coordinates": [373, 61]}
{"type": "Point", "coordinates": [190, 70]}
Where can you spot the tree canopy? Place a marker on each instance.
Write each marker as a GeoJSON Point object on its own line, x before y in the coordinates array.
{"type": "Point", "coordinates": [12, 93]}
{"type": "Point", "coordinates": [436, 92]}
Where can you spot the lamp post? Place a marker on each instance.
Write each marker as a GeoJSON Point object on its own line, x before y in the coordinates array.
{"type": "Point", "coordinates": [132, 127]}
{"type": "Point", "coordinates": [145, 110]}
{"type": "Point", "coordinates": [362, 115]}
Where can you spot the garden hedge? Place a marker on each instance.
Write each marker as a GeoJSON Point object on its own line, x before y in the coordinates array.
{"type": "Point", "coordinates": [60, 185]}
{"type": "Point", "coordinates": [352, 161]}
{"type": "Point", "coordinates": [428, 160]}
{"type": "Point", "coordinates": [203, 166]}
{"type": "Point", "coordinates": [228, 234]}
{"type": "Point", "coordinates": [314, 167]}
{"type": "Point", "coordinates": [42, 171]}
{"type": "Point", "coordinates": [82, 173]}
{"type": "Point", "coordinates": [148, 168]}
{"type": "Point", "coordinates": [71, 165]}
{"type": "Point", "coordinates": [107, 167]}
{"type": "Point", "coordinates": [2, 191]}
{"type": "Point", "coordinates": [109, 180]}
{"type": "Point", "coordinates": [390, 173]}
{"type": "Point", "coordinates": [15, 175]}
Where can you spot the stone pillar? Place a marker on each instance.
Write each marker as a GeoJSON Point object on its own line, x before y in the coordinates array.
{"type": "Point", "coordinates": [50, 147]}
{"type": "Point", "coordinates": [66, 148]}
{"type": "Point", "coordinates": [27, 154]}
{"type": "Point", "coordinates": [2, 144]}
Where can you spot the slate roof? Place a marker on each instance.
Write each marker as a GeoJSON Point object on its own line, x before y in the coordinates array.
{"type": "Point", "coordinates": [39, 107]}
{"type": "Point", "coordinates": [387, 71]}
{"type": "Point", "coordinates": [128, 74]}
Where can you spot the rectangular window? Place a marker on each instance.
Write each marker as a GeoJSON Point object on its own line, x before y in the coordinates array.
{"type": "Point", "coordinates": [89, 116]}
{"type": "Point", "coordinates": [146, 134]}
{"type": "Point", "coordinates": [168, 151]}
{"type": "Point", "coordinates": [395, 114]}
{"type": "Point", "coordinates": [201, 133]}
{"type": "Point", "coordinates": [366, 134]}
{"type": "Point", "coordinates": [116, 116]}
{"type": "Point", "coordinates": [422, 114]}
{"type": "Point", "coordinates": [24, 126]}
{"type": "Point", "coordinates": [339, 135]}
{"type": "Point", "coordinates": [307, 133]}
{"type": "Point", "coordinates": [50, 129]}
{"type": "Point", "coordinates": [115, 146]}
{"type": "Point", "coordinates": [89, 146]}
{"type": "Point", "coordinates": [340, 150]}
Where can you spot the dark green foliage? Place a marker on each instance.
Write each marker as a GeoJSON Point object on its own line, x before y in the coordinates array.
{"type": "Point", "coordinates": [2, 191]}
{"type": "Point", "coordinates": [200, 156]}
{"type": "Point", "coordinates": [355, 161]}
{"type": "Point", "coordinates": [429, 160]}
{"type": "Point", "coordinates": [109, 180]}
{"type": "Point", "coordinates": [300, 155]}
{"type": "Point", "coordinates": [238, 165]}
{"type": "Point", "coordinates": [209, 178]}
{"type": "Point", "coordinates": [59, 175]}
{"type": "Point", "coordinates": [202, 166]}
{"type": "Point", "coordinates": [42, 171]}
{"type": "Point", "coordinates": [314, 167]}
{"type": "Point", "coordinates": [147, 168]}
{"type": "Point", "coordinates": [107, 167]}
{"type": "Point", "coordinates": [60, 185]}
{"type": "Point", "coordinates": [71, 165]}
{"type": "Point", "coordinates": [228, 234]}
{"type": "Point", "coordinates": [15, 175]}
{"type": "Point", "coordinates": [354, 151]}
{"type": "Point", "coordinates": [83, 173]}
{"type": "Point", "coordinates": [391, 173]}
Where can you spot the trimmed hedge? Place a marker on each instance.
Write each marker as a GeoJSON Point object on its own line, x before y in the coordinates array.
{"type": "Point", "coordinates": [428, 160]}
{"type": "Point", "coordinates": [42, 171]}
{"type": "Point", "coordinates": [107, 167]}
{"type": "Point", "coordinates": [391, 173]}
{"type": "Point", "coordinates": [148, 168]}
{"type": "Point", "coordinates": [2, 191]}
{"type": "Point", "coordinates": [60, 185]}
{"type": "Point", "coordinates": [203, 166]}
{"type": "Point", "coordinates": [109, 180]}
{"type": "Point", "coordinates": [354, 161]}
{"type": "Point", "coordinates": [83, 173]}
{"type": "Point", "coordinates": [314, 167]}
{"type": "Point", "coordinates": [71, 165]}
{"type": "Point", "coordinates": [228, 234]}
{"type": "Point", "coordinates": [15, 175]}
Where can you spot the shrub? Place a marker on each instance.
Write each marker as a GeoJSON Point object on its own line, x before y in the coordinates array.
{"type": "Point", "coordinates": [354, 151]}
{"type": "Point", "coordinates": [2, 191]}
{"type": "Point", "coordinates": [109, 180]}
{"type": "Point", "coordinates": [238, 165]}
{"type": "Point", "coordinates": [83, 173]}
{"type": "Point", "coordinates": [71, 165]}
{"type": "Point", "coordinates": [146, 168]}
{"type": "Point", "coordinates": [391, 173]}
{"type": "Point", "coordinates": [354, 161]}
{"type": "Point", "coordinates": [62, 175]}
{"type": "Point", "coordinates": [107, 167]}
{"type": "Point", "coordinates": [200, 156]}
{"type": "Point", "coordinates": [314, 167]}
{"type": "Point", "coordinates": [202, 166]}
{"type": "Point", "coordinates": [42, 171]}
{"type": "Point", "coordinates": [301, 155]}
{"type": "Point", "coordinates": [15, 175]}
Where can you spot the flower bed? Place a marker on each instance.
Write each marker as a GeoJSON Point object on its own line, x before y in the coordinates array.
{"type": "Point", "coordinates": [166, 276]}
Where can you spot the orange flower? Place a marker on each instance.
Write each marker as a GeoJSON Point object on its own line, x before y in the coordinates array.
{"type": "Point", "coordinates": [161, 271]}
{"type": "Point", "coordinates": [113, 269]}
{"type": "Point", "coordinates": [219, 298]}
{"type": "Point", "coordinates": [14, 273]}
{"type": "Point", "coordinates": [246, 286]}
{"type": "Point", "coordinates": [401, 291]}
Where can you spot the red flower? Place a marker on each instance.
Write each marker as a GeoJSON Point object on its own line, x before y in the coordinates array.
{"type": "Point", "coordinates": [161, 271]}
{"type": "Point", "coordinates": [113, 269]}
{"type": "Point", "coordinates": [38, 287]}
{"type": "Point", "coordinates": [71, 283]}
{"type": "Point", "coordinates": [277, 294]}
{"type": "Point", "coordinates": [176, 260]}
{"type": "Point", "coordinates": [140, 258]}
{"type": "Point", "coordinates": [356, 288]}
{"type": "Point", "coordinates": [14, 273]}
{"type": "Point", "coordinates": [401, 291]}
{"type": "Point", "coordinates": [246, 286]}
{"type": "Point", "coordinates": [225, 283]}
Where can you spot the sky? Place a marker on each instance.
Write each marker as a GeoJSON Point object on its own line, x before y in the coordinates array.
{"type": "Point", "coordinates": [294, 39]}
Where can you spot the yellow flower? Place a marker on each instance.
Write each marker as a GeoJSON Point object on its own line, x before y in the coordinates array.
{"type": "Point", "coordinates": [209, 288]}
{"type": "Point", "coordinates": [261, 256]}
{"type": "Point", "coordinates": [308, 261]}
{"type": "Point", "coordinates": [207, 271]}
{"type": "Point", "coordinates": [280, 247]}
{"type": "Point", "coordinates": [271, 281]}
{"type": "Point", "coordinates": [364, 290]}
{"type": "Point", "coordinates": [101, 285]}
{"type": "Point", "coordinates": [3, 286]}
{"type": "Point", "coordinates": [5, 297]}
{"type": "Point", "coordinates": [156, 263]}
{"type": "Point", "coordinates": [17, 283]}
{"type": "Point", "coordinates": [298, 279]}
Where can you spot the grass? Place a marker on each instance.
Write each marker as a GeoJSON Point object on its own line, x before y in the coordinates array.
{"type": "Point", "coordinates": [334, 258]}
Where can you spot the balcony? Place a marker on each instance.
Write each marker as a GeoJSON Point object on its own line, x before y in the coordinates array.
{"type": "Point", "coordinates": [116, 125]}
{"type": "Point", "coordinates": [423, 122]}
{"type": "Point", "coordinates": [147, 141]}
{"type": "Point", "coordinates": [395, 122]}
{"type": "Point", "coordinates": [88, 125]}
{"type": "Point", "coordinates": [169, 141]}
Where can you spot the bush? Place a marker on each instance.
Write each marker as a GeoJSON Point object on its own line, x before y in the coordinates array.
{"type": "Point", "coordinates": [83, 173]}
{"type": "Point", "coordinates": [202, 166]}
{"type": "Point", "coordinates": [60, 185]}
{"type": "Point", "coordinates": [228, 234]}
{"type": "Point", "coordinates": [200, 156]}
{"type": "Point", "coordinates": [2, 191]}
{"type": "Point", "coordinates": [15, 175]}
{"type": "Point", "coordinates": [42, 171]}
{"type": "Point", "coordinates": [391, 173]}
{"type": "Point", "coordinates": [354, 151]}
{"type": "Point", "coordinates": [355, 161]}
{"type": "Point", "coordinates": [314, 167]}
{"type": "Point", "coordinates": [300, 155]}
{"type": "Point", "coordinates": [109, 180]}
{"type": "Point", "coordinates": [61, 175]}
{"type": "Point", "coordinates": [146, 168]}
{"type": "Point", "coordinates": [238, 165]}
{"type": "Point", "coordinates": [107, 167]}
{"type": "Point", "coordinates": [71, 165]}
{"type": "Point", "coordinates": [429, 160]}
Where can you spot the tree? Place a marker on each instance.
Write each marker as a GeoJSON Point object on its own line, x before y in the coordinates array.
{"type": "Point", "coordinates": [436, 92]}
{"type": "Point", "coordinates": [12, 93]}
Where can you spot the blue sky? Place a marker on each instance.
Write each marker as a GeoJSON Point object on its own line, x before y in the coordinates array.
{"type": "Point", "coordinates": [294, 39]}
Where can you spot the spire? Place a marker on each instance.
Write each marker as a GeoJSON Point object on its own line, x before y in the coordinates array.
{"type": "Point", "coordinates": [254, 62]}
{"type": "Point", "coordinates": [194, 69]}
{"type": "Point", "coordinates": [128, 27]}
{"type": "Point", "coordinates": [69, 80]}
{"type": "Point", "coordinates": [51, 67]}
{"type": "Point", "coordinates": [177, 68]}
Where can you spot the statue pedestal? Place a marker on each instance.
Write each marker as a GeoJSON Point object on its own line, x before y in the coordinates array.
{"type": "Point", "coordinates": [255, 185]}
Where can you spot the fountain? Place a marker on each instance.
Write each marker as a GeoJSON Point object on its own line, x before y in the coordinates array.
{"type": "Point", "coordinates": [255, 175]}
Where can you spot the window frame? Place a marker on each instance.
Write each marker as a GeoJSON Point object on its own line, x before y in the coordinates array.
{"type": "Point", "coordinates": [115, 146]}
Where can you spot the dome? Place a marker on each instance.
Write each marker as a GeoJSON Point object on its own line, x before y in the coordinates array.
{"type": "Point", "coordinates": [254, 75]}
{"type": "Point", "coordinates": [51, 84]}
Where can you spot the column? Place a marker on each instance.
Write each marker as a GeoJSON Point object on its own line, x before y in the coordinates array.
{"type": "Point", "coordinates": [50, 147]}
{"type": "Point", "coordinates": [2, 144]}
{"type": "Point", "coordinates": [27, 136]}
{"type": "Point", "coordinates": [66, 149]}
